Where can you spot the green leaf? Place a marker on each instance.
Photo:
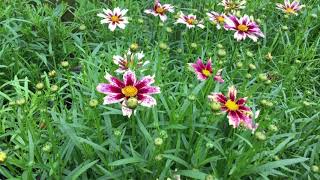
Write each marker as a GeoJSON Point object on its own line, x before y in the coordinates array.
{"type": "Point", "coordinates": [81, 169]}
{"type": "Point", "coordinates": [130, 160]}
{"type": "Point", "coordinates": [192, 174]}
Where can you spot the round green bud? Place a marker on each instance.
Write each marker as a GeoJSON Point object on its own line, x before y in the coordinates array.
{"type": "Point", "coordinates": [194, 45]}
{"type": "Point", "coordinates": [93, 103]}
{"type": "Point", "coordinates": [192, 97]}
{"type": "Point", "coordinates": [39, 85]}
{"type": "Point", "coordinates": [20, 101]}
{"type": "Point", "coordinates": [239, 64]}
{"type": "Point", "coordinates": [248, 76]}
{"type": "Point", "coordinates": [47, 147]}
{"type": "Point", "coordinates": [273, 128]}
{"type": "Point", "coordinates": [65, 64]}
{"type": "Point", "coordinates": [263, 77]}
{"type": "Point", "coordinates": [215, 106]}
{"type": "Point", "coordinates": [163, 45]}
{"type": "Point", "coordinates": [82, 27]}
{"type": "Point", "coordinates": [249, 54]}
{"type": "Point", "coordinates": [54, 88]}
{"type": "Point", "coordinates": [285, 28]}
{"type": "Point", "coordinates": [252, 67]}
{"type": "Point", "coordinates": [134, 47]}
{"type": "Point", "coordinates": [220, 46]}
{"type": "Point", "coordinates": [267, 82]}
{"type": "Point", "coordinates": [260, 136]}
{"type": "Point", "coordinates": [222, 53]}
{"type": "Point", "coordinates": [132, 103]}
{"type": "Point", "coordinates": [158, 141]}
{"type": "Point", "coordinates": [315, 168]}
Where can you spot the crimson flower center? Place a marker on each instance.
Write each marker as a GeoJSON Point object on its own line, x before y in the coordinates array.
{"type": "Point", "coordinates": [231, 105]}
{"type": "Point", "coordinates": [160, 10]}
{"type": "Point", "coordinates": [129, 91]}
{"type": "Point", "coordinates": [115, 19]}
{"type": "Point", "coordinates": [243, 28]}
{"type": "Point", "coordinates": [206, 72]}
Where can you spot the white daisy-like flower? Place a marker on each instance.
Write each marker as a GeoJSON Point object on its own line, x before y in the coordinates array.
{"type": "Point", "coordinates": [189, 20]}
{"type": "Point", "coordinates": [114, 18]}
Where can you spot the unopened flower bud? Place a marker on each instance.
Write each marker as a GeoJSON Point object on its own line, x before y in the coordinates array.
{"type": "Point", "coordinates": [158, 157]}
{"type": "Point", "coordinates": [39, 85]}
{"type": "Point", "coordinates": [65, 64]}
{"type": "Point", "coordinates": [47, 147]}
{"type": "Point", "coordinates": [52, 73]}
{"type": "Point", "coordinates": [117, 132]}
{"type": "Point", "coordinates": [249, 54]}
{"type": "Point", "coordinates": [163, 46]}
{"type": "Point", "coordinates": [269, 104]}
{"type": "Point", "coordinates": [273, 128]}
{"type": "Point", "coordinates": [285, 28]}
{"type": "Point", "coordinates": [306, 103]}
{"type": "Point", "coordinates": [239, 64]}
{"type": "Point", "coordinates": [192, 97]}
{"type": "Point", "coordinates": [252, 67]}
{"type": "Point", "coordinates": [3, 156]}
{"type": "Point", "coordinates": [215, 106]}
{"type": "Point", "coordinates": [140, 21]}
{"type": "Point", "coordinates": [93, 103]}
{"type": "Point", "coordinates": [82, 27]}
{"type": "Point", "coordinates": [315, 16]}
{"type": "Point", "coordinates": [260, 136]}
{"type": "Point", "coordinates": [264, 102]}
{"type": "Point", "coordinates": [277, 158]}
{"type": "Point", "coordinates": [248, 76]}
{"type": "Point", "coordinates": [222, 53]}
{"type": "Point", "coordinates": [220, 46]}
{"type": "Point", "coordinates": [163, 134]}
{"type": "Point", "coordinates": [269, 56]}
{"type": "Point", "coordinates": [315, 168]}
{"type": "Point", "coordinates": [263, 77]}
{"type": "Point", "coordinates": [194, 45]}
{"type": "Point", "coordinates": [298, 61]}
{"type": "Point", "coordinates": [134, 47]}
{"type": "Point", "coordinates": [267, 82]}
{"type": "Point", "coordinates": [158, 141]}
{"type": "Point", "coordinates": [132, 102]}
{"type": "Point", "coordinates": [20, 101]}
{"type": "Point", "coordinates": [169, 30]}
{"type": "Point", "coordinates": [209, 177]}
{"type": "Point", "coordinates": [209, 145]}
{"type": "Point", "coordinates": [54, 88]}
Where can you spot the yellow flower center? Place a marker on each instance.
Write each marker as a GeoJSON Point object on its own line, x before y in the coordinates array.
{"type": "Point", "coordinates": [160, 10]}
{"type": "Point", "coordinates": [115, 19]}
{"type": "Point", "coordinates": [129, 91]}
{"type": "Point", "coordinates": [231, 105]}
{"type": "Point", "coordinates": [190, 21]}
{"type": "Point", "coordinates": [242, 28]}
{"type": "Point", "coordinates": [206, 72]}
{"type": "Point", "coordinates": [290, 11]}
{"type": "Point", "coordinates": [220, 19]}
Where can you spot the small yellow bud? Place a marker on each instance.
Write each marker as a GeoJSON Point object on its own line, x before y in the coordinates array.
{"type": "Point", "coordinates": [192, 97]}
{"type": "Point", "coordinates": [239, 64]}
{"type": "Point", "coordinates": [273, 128]}
{"type": "Point", "coordinates": [249, 54]}
{"type": "Point", "coordinates": [82, 27]}
{"type": "Point", "coordinates": [252, 67]}
{"type": "Point", "coordinates": [47, 147]}
{"type": "Point", "coordinates": [315, 168]}
{"type": "Point", "coordinates": [39, 85]}
{"type": "Point", "coordinates": [54, 88]}
{"type": "Point", "coordinates": [263, 77]}
{"type": "Point", "coordinates": [248, 76]}
{"type": "Point", "coordinates": [260, 136]}
{"type": "Point", "coordinates": [20, 101]}
{"type": "Point", "coordinates": [163, 45]}
{"type": "Point", "coordinates": [269, 56]}
{"type": "Point", "coordinates": [3, 156]}
{"type": "Point", "coordinates": [140, 21]}
{"type": "Point", "coordinates": [158, 157]}
{"type": "Point", "coordinates": [158, 141]}
{"type": "Point", "coordinates": [220, 46]}
{"type": "Point", "coordinates": [93, 103]}
{"type": "Point", "coordinates": [117, 132]}
{"type": "Point", "coordinates": [222, 53]}
{"type": "Point", "coordinates": [169, 30]}
{"type": "Point", "coordinates": [215, 106]}
{"type": "Point", "coordinates": [134, 47]}
{"type": "Point", "coordinates": [194, 45]}
{"type": "Point", "coordinates": [52, 73]}
{"type": "Point", "coordinates": [65, 64]}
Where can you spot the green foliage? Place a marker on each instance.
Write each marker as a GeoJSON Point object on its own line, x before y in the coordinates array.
{"type": "Point", "coordinates": [50, 134]}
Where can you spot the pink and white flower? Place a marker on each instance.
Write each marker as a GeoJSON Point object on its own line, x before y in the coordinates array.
{"type": "Point", "coordinates": [114, 18]}
{"type": "Point", "coordinates": [204, 71]}
{"type": "Point", "coordinates": [189, 20]}
{"type": "Point", "coordinates": [118, 91]}
{"type": "Point", "coordinates": [217, 18]}
{"type": "Point", "coordinates": [244, 27]}
{"type": "Point", "coordinates": [160, 10]}
{"type": "Point", "coordinates": [233, 5]}
{"type": "Point", "coordinates": [238, 113]}
{"type": "Point", "coordinates": [290, 7]}
{"type": "Point", "coordinates": [129, 60]}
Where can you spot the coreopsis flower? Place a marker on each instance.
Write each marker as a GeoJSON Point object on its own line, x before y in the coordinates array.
{"type": "Point", "coordinates": [204, 71]}
{"type": "Point", "coordinates": [130, 92]}
{"type": "Point", "coordinates": [129, 60]}
{"type": "Point", "coordinates": [114, 18]}
{"type": "Point", "coordinates": [217, 18]}
{"type": "Point", "coordinates": [290, 7]}
{"type": "Point", "coordinates": [238, 113]}
{"type": "Point", "coordinates": [189, 20]}
{"type": "Point", "coordinates": [233, 5]}
{"type": "Point", "coordinates": [244, 27]}
{"type": "Point", "coordinates": [160, 10]}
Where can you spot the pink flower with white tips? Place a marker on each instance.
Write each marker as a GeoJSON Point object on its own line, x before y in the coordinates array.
{"type": "Point", "coordinates": [217, 18]}
{"type": "Point", "coordinates": [190, 21]}
{"type": "Point", "coordinates": [290, 7]}
{"type": "Point", "coordinates": [114, 18]}
{"type": "Point", "coordinates": [238, 113]}
{"type": "Point", "coordinates": [204, 71]}
{"type": "Point", "coordinates": [233, 5]}
{"type": "Point", "coordinates": [160, 10]}
{"type": "Point", "coordinates": [129, 60]}
{"type": "Point", "coordinates": [129, 90]}
{"type": "Point", "coordinates": [244, 27]}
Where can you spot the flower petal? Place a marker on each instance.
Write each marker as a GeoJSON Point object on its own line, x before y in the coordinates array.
{"type": "Point", "coordinates": [149, 90]}
{"type": "Point", "coordinates": [129, 78]}
{"type": "Point", "coordinates": [146, 100]}
{"type": "Point", "coordinates": [108, 89]}
{"type": "Point", "coordinates": [113, 98]}
{"type": "Point", "coordinates": [125, 110]}
{"type": "Point", "coordinates": [218, 97]}
{"type": "Point", "coordinates": [232, 94]}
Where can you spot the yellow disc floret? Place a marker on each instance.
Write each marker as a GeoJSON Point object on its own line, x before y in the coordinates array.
{"type": "Point", "coordinates": [206, 72]}
{"type": "Point", "coordinates": [129, 91]}
{"type": "Point", "coordinates": [242, 28]}
{"type": "Point", "coordinates": [114, 19]}
{"type": "Point", "coordinates": [231, 105]}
